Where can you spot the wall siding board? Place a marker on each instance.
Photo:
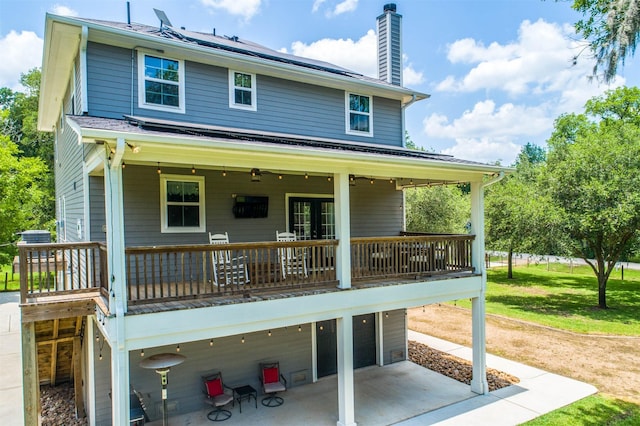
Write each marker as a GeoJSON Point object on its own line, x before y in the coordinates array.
{"type": "Point", "coordinates": [282, 106]}
{"type": "Point", "coordinates": [375, 209]}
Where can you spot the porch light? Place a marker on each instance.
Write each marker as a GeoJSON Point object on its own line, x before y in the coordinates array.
{"type": "Point", "coordinates": [141, 352]}
{"type": "Point", "coordinates": [158, 169]}
{"type": "Point", "coordinates": [269, 333]}
{"type": "Point", "coordinates": [306, 176]}
{"type": "Point", "coordinates": [193, 170]}
{"type": "Point", "coordinates": [328, 178]}
{"type": "Point", "coordinates": [321, 327]}
{"type": "Point", "coordinates": [299, 328]}
{"type": "Point", "coordinates": [123, 165]}
{"type": "Point", "coordinates": [211, 342]}
{"type": "Point", "coordinates": [386, 314]}
{"type": "Point", "coordinates": [135, 149]}
{"type": "Point", "coordinates": [178, 348]}
{"type": "Point", "coordinates": [372, 181]}
{"type": "Point", "coordinates": [242, 340]}
{"type": "Point", "coordinates": [352, 180]}
{"type": "Point", "coordinates": [256, 175]}
{"type": "Point", "coordinates": [364, 321]}
{"type": "Point", "coordinates": [224, 173]}
{"type": "Point", "coordinates": [280, 176]}
{"type": "Point", "coordinates": [390, 180]}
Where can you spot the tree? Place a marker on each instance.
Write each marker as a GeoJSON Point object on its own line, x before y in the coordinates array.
{"type": "Point", "coordinates": [439, 209]}
{"type": "Point", "coordinates": [593, 171]}
{"type": "Point", "coordinates": [611, 27]}
{"type": "Point", "coordinates": [517, 211]}
{"type": "Point", "coordinates": [21, 192]}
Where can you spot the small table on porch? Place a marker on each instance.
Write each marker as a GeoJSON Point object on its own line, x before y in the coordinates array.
{"type": "Point", "coordinates": [245, 392]}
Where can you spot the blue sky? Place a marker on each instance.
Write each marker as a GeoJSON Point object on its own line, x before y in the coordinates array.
{"type": "Point", "coordinates": [498, 71]}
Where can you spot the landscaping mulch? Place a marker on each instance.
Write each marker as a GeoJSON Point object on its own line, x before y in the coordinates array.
{"type": "Point", "coordinates": [58, 406]}
{"type": "Point", "coordinates": [454, 367]}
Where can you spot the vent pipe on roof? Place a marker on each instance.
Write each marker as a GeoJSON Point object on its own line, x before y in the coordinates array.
{"type": "Point", "coordinates": [390, 45]}
{"type": "Point", "coordinates": [128, 13]}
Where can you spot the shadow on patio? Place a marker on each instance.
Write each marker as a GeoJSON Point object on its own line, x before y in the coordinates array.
{"type": "Point", "coordinates": [383, 396]}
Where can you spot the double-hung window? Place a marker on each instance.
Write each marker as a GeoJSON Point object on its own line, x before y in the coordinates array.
{"type": "Point", "coordinates": [160, 83]}
{"type": "Point", "coordinates": [242, 90]}
{"type": "Point", "coordinates": [182, 203]}
{"type": "Point", "coordinates": [359, 114]}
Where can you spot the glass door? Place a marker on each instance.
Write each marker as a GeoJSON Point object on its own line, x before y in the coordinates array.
{"type": "Point", "coordinates": [312, 218]}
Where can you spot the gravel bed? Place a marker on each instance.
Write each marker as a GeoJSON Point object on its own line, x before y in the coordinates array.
{"type": "Point", "coordinates": [58, 406]}
{"type": "Point", "coordinates": [454, 367]}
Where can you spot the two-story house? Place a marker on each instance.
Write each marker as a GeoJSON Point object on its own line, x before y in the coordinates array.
{"type": "Point", "coordinates": [164, 137]}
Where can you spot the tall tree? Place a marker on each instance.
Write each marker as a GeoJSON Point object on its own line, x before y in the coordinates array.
{"type": "Point", "coordinates": [438, 209]}
{"type": "Point", "coordinates": [611, 28]}
{"type": "Point", "coordinates": [594, 179]}
{"type": "Point", "coordinates": [21, 192]}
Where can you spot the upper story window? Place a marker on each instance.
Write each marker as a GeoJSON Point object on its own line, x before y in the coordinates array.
{"type": "Point", "coordinates": [160, 83]}
{"type": "Point", "coordinates": [182, 203]}
{"type": "Point", "coordinates": [359, 110]}
{"type": "Point", "coordinates": [242, 90]}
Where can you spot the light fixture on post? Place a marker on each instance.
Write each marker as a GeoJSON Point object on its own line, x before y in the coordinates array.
{"type": "Point", "coordinates": [162, 363]}
{"type": "Point", "coordinates": [256, 175]}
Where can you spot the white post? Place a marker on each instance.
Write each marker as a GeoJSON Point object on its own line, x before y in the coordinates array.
{"type": "Point", "coordinates": [479, 382]}
{"type": "Point", "coordinates": [114, 210]}
{"type": "Point", "coordinates": [346, 386]}
{"type": "Point", "coordinates": [343, 229]}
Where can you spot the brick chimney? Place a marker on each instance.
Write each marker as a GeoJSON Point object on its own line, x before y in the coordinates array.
{"type": "Point", "coordinates": [390, 45]}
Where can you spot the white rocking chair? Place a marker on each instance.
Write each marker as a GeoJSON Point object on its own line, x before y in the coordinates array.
{"type": "Point", "coordinates": [293, 260]}
{"type": "Point", "coordinates": [227, 270]}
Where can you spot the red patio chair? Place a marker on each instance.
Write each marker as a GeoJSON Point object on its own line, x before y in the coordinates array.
{"type": "Point", "coordinates": [216, 397]}
{"type": "Point", "coordinates": [272, 383]}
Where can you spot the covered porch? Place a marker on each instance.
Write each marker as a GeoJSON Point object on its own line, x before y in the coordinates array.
{"type": "Point", "coordinates": [383, 396]}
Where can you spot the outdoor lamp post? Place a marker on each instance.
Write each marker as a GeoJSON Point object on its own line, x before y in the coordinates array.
{"type": "Point", "coordinates": [162, 363]}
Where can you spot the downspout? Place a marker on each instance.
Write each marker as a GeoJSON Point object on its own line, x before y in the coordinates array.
{"type": "Point", "coordinates": [493, 180]}
{"type": "Point", "coordinates": [83, 70]}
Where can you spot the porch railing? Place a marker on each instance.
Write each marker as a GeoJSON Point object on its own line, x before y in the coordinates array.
{"type": "Point", "coordinates": [410, 255]}
{"type": "Point", "coordinates": [61, 268]}
{"type": "Point", "coordinates": [226, 269]}
{"type": "Point", "coordinates": [172, 272]}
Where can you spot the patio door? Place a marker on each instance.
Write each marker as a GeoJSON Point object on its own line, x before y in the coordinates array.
{"type": "Point", "coordinates": [364, 344]}
{"type": "Point", "coordinates": [312, 218]}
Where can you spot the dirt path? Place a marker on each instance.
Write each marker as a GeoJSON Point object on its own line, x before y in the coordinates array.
{"type": "Point", "coordinates": [612, 364]}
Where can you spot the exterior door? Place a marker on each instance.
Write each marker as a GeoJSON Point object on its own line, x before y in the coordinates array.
{"type": "Point", "coordinates": [312, 218]}
{"type": "Point", "coordinates": [364, 344]}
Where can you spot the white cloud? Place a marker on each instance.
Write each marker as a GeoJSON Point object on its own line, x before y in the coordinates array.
{"type": "Point", "coordinates": [410, 76]}
{"type": "Point", "coordinates": [59, 9]}
{"type": "Point", "coordinates": [20, 53]}
{"type": "Point", "coordinates": [243, 8]}
{"type": "Point", "coordinates": [341, 7]}
{"type": "Point", "coordinates": [358, 55]}
{"type": "Point", "coordinates": [540, 61]}
{"type": "Point", "coordinates": [487, 133]}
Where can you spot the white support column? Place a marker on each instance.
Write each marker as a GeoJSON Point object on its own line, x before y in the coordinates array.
{"type": "Point", "coordinates": [346, 385]}
{"type": "Point", "coordinates": [114, 209]}
{"type": "Point", "coordinates": [479, 382]}
{"type": "Point", "coordinates": [380, 337]}
{"type": "Point", "coordinates": [89, 377]}
{"type": "Point", "coordinates": [343, 229]}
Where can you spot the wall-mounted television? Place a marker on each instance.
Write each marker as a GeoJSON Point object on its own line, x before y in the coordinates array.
{"type": "Point", "coordinates": [250, 206]}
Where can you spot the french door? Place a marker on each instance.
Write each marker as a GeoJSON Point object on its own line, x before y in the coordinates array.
{"type": "Point", "coordinates": [312, 218]}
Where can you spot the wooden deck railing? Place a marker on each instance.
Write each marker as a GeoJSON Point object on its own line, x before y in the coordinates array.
{"type": "Point", "coordinates": [169, 272]}
{"type": "Point", "coordinates": [410, 255]}
{"type": "Point", "coordinates": [162, 273]}
{"type": "Point", "coordinates": [60, 268]}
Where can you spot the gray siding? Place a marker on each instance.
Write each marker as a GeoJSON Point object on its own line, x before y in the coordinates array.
{"type": "Point", "coordinates": [102, 377]}
{"type": "Point", "coordinates": [282, 106]}
{"type": "Point", "coordinates": [375, 209]}
{"type": "Point", "coordinates": [395, 336]}
{"type": "Point", "coordinates": [68, 178]}
{"type": "Point", "coordinates": [239, 363]}
{"type": "Point", "coordinates": [97, 209]}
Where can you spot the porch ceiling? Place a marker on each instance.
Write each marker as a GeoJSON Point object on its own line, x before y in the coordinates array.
{"type": "Point", "coordinates": [218, 148]}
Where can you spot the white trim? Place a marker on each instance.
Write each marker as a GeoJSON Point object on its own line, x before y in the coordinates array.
{"type": "Point", "coordinates": [84, 107]}
{"type": "Point", "coordinates": [142, 103]}
{"type": "Point", "coordinates": [164, 228]}
{"type": "Point", "coordinates": [347, 115]}
{"type": "Point", "coordinates": [232, 92]}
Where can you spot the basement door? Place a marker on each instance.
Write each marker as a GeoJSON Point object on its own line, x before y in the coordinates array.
{"type": "Point", "coordinates": [364, 344]}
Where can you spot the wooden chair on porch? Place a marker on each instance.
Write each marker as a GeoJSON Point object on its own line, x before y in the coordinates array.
{"type": "Point", "coordinates": [292, 259]}
{"type": "Point", "coordinates": [227, 270]}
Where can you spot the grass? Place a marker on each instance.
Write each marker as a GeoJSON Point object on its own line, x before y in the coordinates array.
{"type": "Point", "coordinates": [567, 301]}
{"type": "Point", "coordinates": [7, 281]}
{"type": "Point", "coordinates": [600, 410]}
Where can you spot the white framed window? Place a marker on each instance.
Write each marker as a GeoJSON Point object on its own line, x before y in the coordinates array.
{"type": "Point", "coordinates": [182, 203]}
{"type": "Point", "coordinates": [160, 82]}
{"type": "Point", "coordinates": [242, 90]}
{"type": "Point", "coordinates": [359, 114]}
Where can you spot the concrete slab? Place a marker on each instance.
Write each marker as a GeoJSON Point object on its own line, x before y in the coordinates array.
{"type": "Point", "coordinates": [11, 408]}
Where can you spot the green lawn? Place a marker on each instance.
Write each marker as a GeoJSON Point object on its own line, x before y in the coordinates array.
{"type": "Point", "coordinates": [565, 300]}
{"type": "Point", "coordinates": [594, 410]}
{"type": "Point", "coordinates": [6, 283]}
